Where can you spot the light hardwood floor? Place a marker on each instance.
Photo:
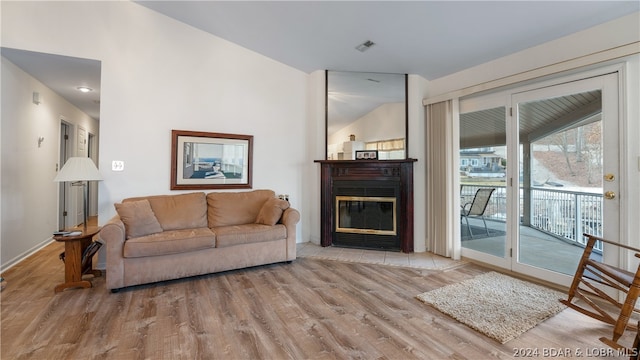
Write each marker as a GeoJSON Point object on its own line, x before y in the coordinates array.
{"type": "Point", "coordinates": [310, 309]}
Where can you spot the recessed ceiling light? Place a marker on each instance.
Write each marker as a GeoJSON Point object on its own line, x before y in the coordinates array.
{"type": "Point", "coordinates": [365, 46]}
{"type": "Point", "coordinates": [84, 89]}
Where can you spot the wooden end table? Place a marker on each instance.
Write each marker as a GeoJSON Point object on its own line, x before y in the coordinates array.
{"type": "Point", "coordinates": [74, 247]}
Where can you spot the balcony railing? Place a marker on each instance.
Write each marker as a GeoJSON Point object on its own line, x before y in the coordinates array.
{"type": "Point", "coordinates": [563, 214]}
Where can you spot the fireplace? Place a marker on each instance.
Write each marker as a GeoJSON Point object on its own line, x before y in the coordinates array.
{"type": "Point", "coordinates": [366, 215]}
{"type": "Point", "coordinates": [367, 204]}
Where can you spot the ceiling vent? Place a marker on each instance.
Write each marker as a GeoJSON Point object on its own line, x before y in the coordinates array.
{"type": "Point", "coordinates": [365, 46]}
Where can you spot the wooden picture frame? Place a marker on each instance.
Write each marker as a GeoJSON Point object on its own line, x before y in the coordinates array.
{"type": "Point", "coordinates": [205, 160]}
{"type": "Point", "coordinates": [366, 154]}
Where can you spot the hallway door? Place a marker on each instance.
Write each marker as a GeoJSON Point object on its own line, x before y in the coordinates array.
{"type": "Point", "coordinates": [64, 187]}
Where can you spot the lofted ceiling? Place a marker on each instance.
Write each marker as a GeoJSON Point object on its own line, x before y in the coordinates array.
{"type": "Point", "coordinates": [428, 38]}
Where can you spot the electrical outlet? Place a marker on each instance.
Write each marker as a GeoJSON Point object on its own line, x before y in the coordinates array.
{"type": "Point", "coordinates": [117, 165]}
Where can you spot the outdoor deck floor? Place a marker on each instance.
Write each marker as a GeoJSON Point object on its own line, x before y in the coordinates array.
{"type": "Point", "coordinates": [536, 248]}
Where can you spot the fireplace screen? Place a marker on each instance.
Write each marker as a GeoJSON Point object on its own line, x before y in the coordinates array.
{"type": "Point", "coordinates": [366, 215]}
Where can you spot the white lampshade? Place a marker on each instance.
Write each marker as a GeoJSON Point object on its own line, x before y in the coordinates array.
{"type": "Point", "coordinates": [78, 169]}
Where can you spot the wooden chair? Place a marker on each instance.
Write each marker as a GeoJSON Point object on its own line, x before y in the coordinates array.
{"type": "Point", "coordinates": [587, 286]}
{"type": "Point", "coordinates": [634, 354]}
{"type": "Point", "coordinates": [477, 207]}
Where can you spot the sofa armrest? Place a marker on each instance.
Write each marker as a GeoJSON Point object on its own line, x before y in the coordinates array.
{"type": "Point", "coordinates": [113, 236]}
{"type": "Point", "coordinates": [290, 217]}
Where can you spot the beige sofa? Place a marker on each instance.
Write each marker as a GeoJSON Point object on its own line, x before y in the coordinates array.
{"type": "Point", "coordinates": [166, 237]}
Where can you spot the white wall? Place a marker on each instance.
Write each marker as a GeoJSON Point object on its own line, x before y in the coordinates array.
{"type": "Point", "coordinates": [631, 155]}
{"type": "Point", "coordinates": [417, 87]}
{"type": "Point", "coordinates": [29, 195]}
{"type": "Point", "coordinates": [316, 150]}
{"type": "Point", "coordinates": [158, 75]}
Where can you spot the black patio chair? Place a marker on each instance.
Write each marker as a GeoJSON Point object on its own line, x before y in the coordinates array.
{"type": "Point", "coordinates": [477, 207]}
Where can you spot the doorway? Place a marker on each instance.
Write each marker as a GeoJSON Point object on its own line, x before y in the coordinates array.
{"type": "Point", "coordinates": [545, 151]}
{"type": "Point", "coordinates": [92, 147]}
{"type": "Point", "coordinates": [64, 187]}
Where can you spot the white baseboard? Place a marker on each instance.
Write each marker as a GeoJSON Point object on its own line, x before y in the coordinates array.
{"type": "Point", "coordinates": [314, 239]}
{"type": "Point", "coordinates": [16, 260]}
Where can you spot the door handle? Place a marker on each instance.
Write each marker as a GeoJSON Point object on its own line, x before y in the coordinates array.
{"type": "Point", "coordinates": [610, 195]}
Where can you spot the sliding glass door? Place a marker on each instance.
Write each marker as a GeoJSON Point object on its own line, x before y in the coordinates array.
{"type": "Point", "coordinates": [551, 157]}
{"type": "Point", "coordinates": [483, 175]}
{"type": "Point", "coordinates": [568, 160]}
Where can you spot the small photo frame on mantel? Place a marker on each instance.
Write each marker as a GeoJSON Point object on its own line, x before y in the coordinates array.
{"type": "Point", "coordinates": [366, 154]}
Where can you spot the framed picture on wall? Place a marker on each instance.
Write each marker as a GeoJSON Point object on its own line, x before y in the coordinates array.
{"type": "Point", "coordinates": [366, 154]}
{"type": "Point", "coordinates": [204, 160]}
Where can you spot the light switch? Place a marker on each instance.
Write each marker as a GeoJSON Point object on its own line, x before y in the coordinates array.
{"type": "Point", "coordinates": [117, 165]}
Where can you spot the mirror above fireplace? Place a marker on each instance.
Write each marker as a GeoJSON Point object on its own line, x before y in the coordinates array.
{"type": "Point", "coordinates": [366, 111]}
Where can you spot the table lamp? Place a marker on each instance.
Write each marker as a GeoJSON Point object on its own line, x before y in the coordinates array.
{"type": "Point", "coordinates": [79, 171]}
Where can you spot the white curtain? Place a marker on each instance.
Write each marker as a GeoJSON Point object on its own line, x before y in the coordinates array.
{"type": "Point", "coordinates": [443, 189]}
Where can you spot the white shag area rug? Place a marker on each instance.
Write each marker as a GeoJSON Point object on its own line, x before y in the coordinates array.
{"type": "Point", "coordinates": [497, 305]}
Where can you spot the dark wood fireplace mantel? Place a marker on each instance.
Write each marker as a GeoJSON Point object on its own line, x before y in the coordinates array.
{"type": "Point", "coordinates": [386, 174]}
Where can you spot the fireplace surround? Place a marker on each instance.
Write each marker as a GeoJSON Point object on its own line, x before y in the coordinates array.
{"type": "Point", "coordinates": [367, 204]}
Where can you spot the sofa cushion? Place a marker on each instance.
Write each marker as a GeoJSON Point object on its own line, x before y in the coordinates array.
{"type": "Point", "coordinates": [235, 208]}
{"type": "Point", "coordinates": [248, 233]}
{"type": "Point", "coordinates": [183, 211]}
{"type": "Point", "coordinates": [271, 211]}
{"type": "Point", "coordinates": [170, 242]}
{"type": "Point", "coordinates": [138, 218]}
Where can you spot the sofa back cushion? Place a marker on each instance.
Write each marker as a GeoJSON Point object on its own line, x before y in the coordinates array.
{"type": "Point", "coordinates": [236, 208]}
{"type": "Point", "coordinates": [138, 218]}
{"type": "Point", "coordinates": [176, 212]}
